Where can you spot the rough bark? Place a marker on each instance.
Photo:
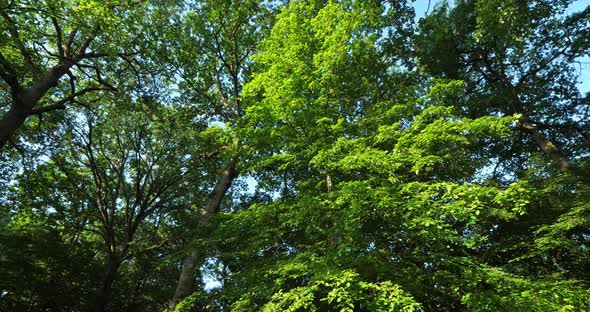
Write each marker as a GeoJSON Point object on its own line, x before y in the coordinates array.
{"type": "Point", "coordinates": [186, 281]}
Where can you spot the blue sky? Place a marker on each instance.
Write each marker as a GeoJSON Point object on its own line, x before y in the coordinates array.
{"type": "Point", "coordinates": [583, 66]}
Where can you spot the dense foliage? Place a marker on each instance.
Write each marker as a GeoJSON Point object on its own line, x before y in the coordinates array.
{"type": "Point", "coordinates": [305, 155]}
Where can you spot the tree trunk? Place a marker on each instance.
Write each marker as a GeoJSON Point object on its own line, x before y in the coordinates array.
{"type": "Point", "coordinates": [546, 146]}
{"type": "Point", "coordinates": [23, 101]}
{"type": "Point", "coordinates": [104, 292]}
{"type": "Point", "coordinates": [186, 280]}
{"type": "Point", "coordinates": [13, 120]}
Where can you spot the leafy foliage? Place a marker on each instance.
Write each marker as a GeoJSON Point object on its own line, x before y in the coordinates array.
{"type": "Point", "coordinates": [375, 164]}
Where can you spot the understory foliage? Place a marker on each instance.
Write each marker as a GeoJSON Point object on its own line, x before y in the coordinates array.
{"type": "Point", "coordinates": [303, 155]}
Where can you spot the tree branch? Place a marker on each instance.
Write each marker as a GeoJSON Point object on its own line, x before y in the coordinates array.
{"type": "Point", "coordinates": [10, 4]}
{"type": "Point", "coordinates": [69, 42]}
{"type": "Point", "coordinates": [8, 74]}
{"type": "Point", "coordinates": [81, 51]}
{"type": "Point", "coordinates": [58, 36]}
{"type": "Point", "coordinates": [48, 108]}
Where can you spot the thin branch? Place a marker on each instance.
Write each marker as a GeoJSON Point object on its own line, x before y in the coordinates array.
{"type": "Point", "coordinates": [99, 55]}
{"type": "Point", "coordinates": [19, 149]}
{"type": "Point", "coordinates": [81, 51]}
{"type": "Point", "coordinates": [58, 36]}
{"type": "Point", "coordinates": [544, 63]}
{"type": "Point", "coordinates": [61, 103]}
{"type": "Point", "coordinates": [97, 77]}
{"type": "Point", "coordinates": [69, 42]}
{"type": "Point", "coordinates": [579, 129]}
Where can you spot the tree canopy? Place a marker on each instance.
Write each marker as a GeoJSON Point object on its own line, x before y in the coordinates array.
{"type": "Point", "coordinates": [308, 155]}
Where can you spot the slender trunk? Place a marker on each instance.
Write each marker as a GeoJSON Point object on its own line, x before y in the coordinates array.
{"type": "Point", "coordinates": [186, 281]}
{"type": "Point", "coordinates": [546, 146]}
{"type": "Point", "coordinates": [186, 284]}
{"type": "Point", "coordinates": [104, 292]}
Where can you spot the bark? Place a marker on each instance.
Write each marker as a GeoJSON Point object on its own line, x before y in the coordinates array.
{"type": "Point", "coordinates": [116, 256]}
{"type": "Point", "coordinates": [545, 145]}
{"type": "Point", "coordinates": [104, 292]}
{"type": "Point", "coordinates": [186, 281]}
{"type": "Point", "coordinates": [223, 184]}
{"type": "Point", "coordinates": [10, 123]}
{"type": "Point", "coordinates": [23, 101]}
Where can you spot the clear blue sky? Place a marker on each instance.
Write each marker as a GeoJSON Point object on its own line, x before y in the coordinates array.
{"type": "Point", "coordinates": [583, 66]}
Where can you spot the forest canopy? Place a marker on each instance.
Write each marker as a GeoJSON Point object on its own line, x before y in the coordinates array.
{"type": "Point", "coordinates": [306, 155]}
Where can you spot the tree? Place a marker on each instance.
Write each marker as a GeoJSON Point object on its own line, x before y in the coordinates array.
{"type": "Point", "coordinates": [54, 52]}
{"type": "Point", "coordinates": [113, 187]}
{"type": "Point", "coordinates": [301, 156]}
{"type": "Point", "coordinates": [519, 58]}
{"type": "Point", "coordinates": [210, 65]}
{"type": "Point", "coordinates": [412, 201]}
{"type": "Point", "coordinates": [515, 58]}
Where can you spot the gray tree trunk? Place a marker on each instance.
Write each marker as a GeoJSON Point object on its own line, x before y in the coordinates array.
{"type": "Point", "coordinates": [186, 281]}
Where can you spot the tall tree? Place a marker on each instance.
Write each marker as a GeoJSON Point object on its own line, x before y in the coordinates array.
{"type": "Point", "coordinates": [519, 58]}
{"type": "Point", "coordinates": [516, 57]}
{"type": "Point", "coordinates": [438, 168]}
{"type": "Point", "coordinates": [120, 172]}
{"type": "Point", "coordinates": [382, 195]}
{"type": "Point", "coordinates": [209, 58]}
